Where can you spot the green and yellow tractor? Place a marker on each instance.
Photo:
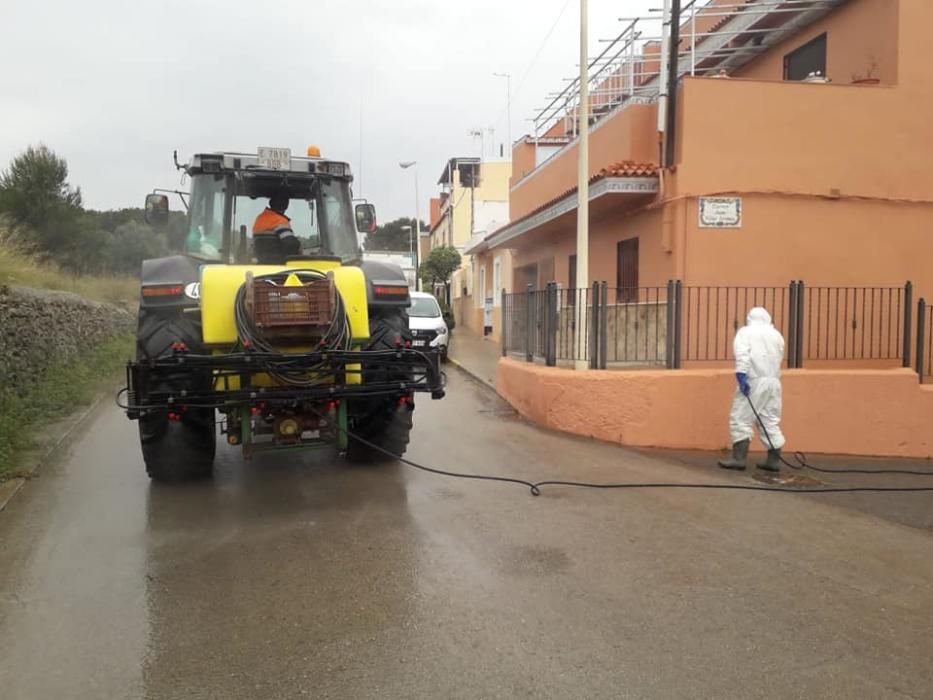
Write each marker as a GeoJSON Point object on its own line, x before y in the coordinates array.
{"type": "Point", "coordinates": [275, 340]}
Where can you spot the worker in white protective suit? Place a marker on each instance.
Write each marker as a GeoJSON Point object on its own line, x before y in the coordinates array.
{"type": "Point", "coordinates": [759, 351]}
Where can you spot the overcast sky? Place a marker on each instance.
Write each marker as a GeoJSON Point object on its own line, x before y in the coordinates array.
{"type": "Point", "coordinates": [116, 85]}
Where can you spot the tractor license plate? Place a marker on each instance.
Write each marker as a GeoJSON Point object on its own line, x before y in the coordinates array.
{"type": "Point", "coordinates": [274, 158]}
{"type": "Point", "coordinates": [419, 343]}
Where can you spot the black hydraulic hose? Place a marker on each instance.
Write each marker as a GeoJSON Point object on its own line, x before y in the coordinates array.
{"type": "Point", "coordinates": [803, 462]}
{"type": "Point", "coordinates": [535, 486]}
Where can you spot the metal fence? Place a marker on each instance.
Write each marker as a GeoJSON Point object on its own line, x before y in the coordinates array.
{"type": "Point", "coordinates": [635, 326]}
{"type": "Point", "coordinates": [710, 316]}
{"type": "Point", "coordinates": [670, 325]}
{"type": "Point", "coordinates": [924, 342]}
{"type": "Point", "coordinates": [854, 323]}
{"type": "Point", "coordinates": [542, 323]}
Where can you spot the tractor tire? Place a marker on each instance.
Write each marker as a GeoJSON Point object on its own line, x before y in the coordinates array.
{"type": "Point", "coordinates": [382, 422]}
{"type": "Point", "coordinates": [387, 428]}
{"type": "Point", "coordinates": [178, 450]}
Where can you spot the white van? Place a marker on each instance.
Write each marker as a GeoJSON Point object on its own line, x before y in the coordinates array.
{"type": "Point", "coordinates": [426, 323]}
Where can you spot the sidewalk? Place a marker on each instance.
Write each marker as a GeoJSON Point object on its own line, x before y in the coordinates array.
{"type": "Point", "coordinates": [474, 355]}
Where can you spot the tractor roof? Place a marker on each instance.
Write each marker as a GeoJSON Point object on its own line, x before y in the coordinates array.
{"type": "Point", "coordinates": [224, 161]}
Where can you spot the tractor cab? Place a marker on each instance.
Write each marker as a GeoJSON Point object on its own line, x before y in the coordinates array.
{"type": "Point", "coordinates": [230, 190]}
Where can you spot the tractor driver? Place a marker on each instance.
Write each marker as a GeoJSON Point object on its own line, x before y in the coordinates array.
{"type": "Point", "coordinates": [273, 238]}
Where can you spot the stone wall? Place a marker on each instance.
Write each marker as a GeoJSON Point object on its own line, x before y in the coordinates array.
{"type": "Point", "coordinates": [40, 328]}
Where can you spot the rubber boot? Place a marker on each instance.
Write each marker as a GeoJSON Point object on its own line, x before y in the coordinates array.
{"type": "Point", "coordinates": [739, 456]}
{"type": "Point", "coordinates": [772, 462]}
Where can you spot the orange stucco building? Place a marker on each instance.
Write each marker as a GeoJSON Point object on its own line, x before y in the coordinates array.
{"type": "Point", "coordinates": [801, 149]}
{"type": "Point", "coordinates": [828, 182]}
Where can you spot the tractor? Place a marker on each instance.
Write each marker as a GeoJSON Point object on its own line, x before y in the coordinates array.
{"type": "Point", "coordinates": [306, 346]}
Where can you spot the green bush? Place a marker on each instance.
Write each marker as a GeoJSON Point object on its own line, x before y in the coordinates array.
{"type": "Point", "coordinates": [448, 314]}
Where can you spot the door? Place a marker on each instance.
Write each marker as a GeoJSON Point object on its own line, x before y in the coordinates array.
{"type": "Point", "coordinates": [627, 270]}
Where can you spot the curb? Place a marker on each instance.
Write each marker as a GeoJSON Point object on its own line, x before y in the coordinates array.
{"type": "Point", "coordinates": [41, 454]}
{"type": "Point", "coordinates": [471, 373]}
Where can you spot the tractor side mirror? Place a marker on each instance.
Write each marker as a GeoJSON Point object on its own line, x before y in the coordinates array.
{"type": "Point", "coordinates": [365, 218]}
{"type": "Point", "coordinates": [156, 209]}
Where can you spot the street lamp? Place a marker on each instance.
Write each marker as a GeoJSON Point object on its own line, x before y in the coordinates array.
{"type": "Point", "coordinates": [411, 249]}
{"type": "Point", "coordinates": [405, 165]}
{"type": "Point", "coordinates": [508, 108]}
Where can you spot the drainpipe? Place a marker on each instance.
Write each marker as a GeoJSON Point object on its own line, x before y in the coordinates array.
{"type": "Point", "coordinates": [662, 68]}
{"type": "Point", "coordinates": [673, 71]}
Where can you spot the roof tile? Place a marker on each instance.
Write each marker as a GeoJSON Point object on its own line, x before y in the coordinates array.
{"type": "Point", "coordinates": [623, 168]}
{"type": "Point", "coordinates": [627, 168]}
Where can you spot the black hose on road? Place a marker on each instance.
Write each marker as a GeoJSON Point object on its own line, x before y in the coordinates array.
{"type": "Point", "coordinates": [535, 486]}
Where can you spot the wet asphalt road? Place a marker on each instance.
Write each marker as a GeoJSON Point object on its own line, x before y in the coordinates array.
{"type": "Point", "coordinates": [302, 577]}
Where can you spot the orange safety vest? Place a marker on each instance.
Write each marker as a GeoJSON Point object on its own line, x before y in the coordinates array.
{"type": "Point", "coordinates": [269, 220]}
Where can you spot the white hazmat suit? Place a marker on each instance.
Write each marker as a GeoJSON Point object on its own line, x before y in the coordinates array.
{"type": "Point", "coordinates": [759, 351]}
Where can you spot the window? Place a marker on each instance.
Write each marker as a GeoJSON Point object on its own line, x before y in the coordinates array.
{"type": "Point", "coordinates": [322, 217]}
{"type": "Point", "coordinates": [205, 236]}
{"type": "Point", "coordinates": [809, 58]}
{"type": "Point", "coordinates": [627, 270]}
{"type": "Point", "coordinates": [423, 307]}
{"type": "Point", "coordinates": [496, 281]}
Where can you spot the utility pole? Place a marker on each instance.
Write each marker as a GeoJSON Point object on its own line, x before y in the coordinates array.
{"type": "Point", "coordinates": [583, 193]}
{"type": "Point", "coordinates": [417, 246]}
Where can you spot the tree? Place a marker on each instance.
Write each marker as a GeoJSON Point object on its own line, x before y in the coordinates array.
{"type": "Point", "coordinates": [439, 266]}
{"type": "Point", "coordinates": [392, 236]}
{"type": "Point", "coordinates": [36, 196]}
{"type": "Point", "coordinates": [46, 214]}
{"type": "Point", "coordinates": [133, 242]}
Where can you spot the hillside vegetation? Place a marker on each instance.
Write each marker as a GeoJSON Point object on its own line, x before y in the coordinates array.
{"type": "Point", "coordinates": [21, 267]}
{"type": "Point", "coordinates": [44, 216]}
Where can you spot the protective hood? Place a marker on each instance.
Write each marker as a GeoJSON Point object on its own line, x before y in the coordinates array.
{"type": "Point", "coordinates": [758, 316]}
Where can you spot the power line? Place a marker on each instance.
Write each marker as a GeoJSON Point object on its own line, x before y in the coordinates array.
{"type": "Point", "coordinates": [537, 55]}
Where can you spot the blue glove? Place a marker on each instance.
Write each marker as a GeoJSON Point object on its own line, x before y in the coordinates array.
{"type": "Point", "coordinates": [743, 382]}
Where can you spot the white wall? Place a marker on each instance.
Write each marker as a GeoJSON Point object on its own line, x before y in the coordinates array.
{"type": "Point", "coordinates": [488, 212]}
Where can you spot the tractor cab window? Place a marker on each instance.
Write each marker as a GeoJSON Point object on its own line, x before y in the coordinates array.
{"type": "Point", "coordinates": [337, 220]}
{"type": "Point", "coordinates": [321, 215]}
{"type": "Point", "coordinates": [206, 220]}
{"type": "Point", "coordinates": [300, 211]}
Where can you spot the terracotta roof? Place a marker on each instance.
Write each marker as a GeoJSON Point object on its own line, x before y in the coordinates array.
{"type": "Point", "coordinates": [627, 168]}
{"type": "Point", "coordinates": [623, 168]}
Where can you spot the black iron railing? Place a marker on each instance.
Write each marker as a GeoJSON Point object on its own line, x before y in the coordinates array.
{"type": "Point", "coordinates": [710, 316]}
{"type": "Point", "coordinates": [924, 355]}
{"type": "Point", "coordinates": [670, 325]}
{"type": "Point", "coordinates": [854, 323]}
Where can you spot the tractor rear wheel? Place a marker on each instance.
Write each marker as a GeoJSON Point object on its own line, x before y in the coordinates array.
{"type": "Point", "coordinates": [384, 423]}
{"type": "Point", "coordinates": [387, 429]}
{"type": "Point", "coordinates": [183, 449]}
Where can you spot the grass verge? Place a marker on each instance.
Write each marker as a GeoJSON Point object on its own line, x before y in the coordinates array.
{"type": "Point", "coordinates": [19, 267]}
{"type": "Point", "coordinates": [64, 388]}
